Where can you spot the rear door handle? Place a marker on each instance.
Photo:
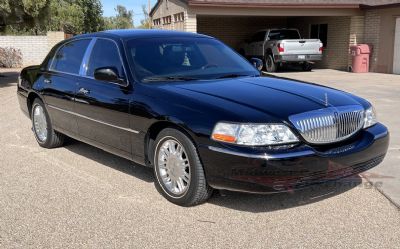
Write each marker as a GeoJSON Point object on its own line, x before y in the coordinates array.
{"type": "Point", "coordinates": [83, 91]}
{"type": "Point", "coordinates": [47, 81]}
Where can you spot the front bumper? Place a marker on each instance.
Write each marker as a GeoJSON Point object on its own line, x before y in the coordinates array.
{"type": "Point", "coordinates": [297, 58]}
{"type": "Point", "coordinates": [268, 171]}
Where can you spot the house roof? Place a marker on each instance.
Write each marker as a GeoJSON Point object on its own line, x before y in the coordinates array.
{"type": "Point", "coordinates": [295, 2]}
{"type": "Point", "coordinates": [287, 3]}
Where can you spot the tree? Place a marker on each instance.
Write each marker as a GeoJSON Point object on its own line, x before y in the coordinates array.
{"type": "Point", "coordinates": [24, 15]}
{"type": "Point", "coordinates": [39, 16]}
{"type": "Point", "coordinates": [76, 16]}
{"type": "Point", "coordinates": [66, 16]}
{"type": "Point", "coordinates": [93, 15]}
{"type": "Point", "coordinates": [123, 19]}
{"type": "Point", "coordinates": [145, 23]}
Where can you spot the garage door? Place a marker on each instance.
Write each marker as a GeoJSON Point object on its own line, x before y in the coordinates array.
{"type": "Point", "coordinates": [396, 61]}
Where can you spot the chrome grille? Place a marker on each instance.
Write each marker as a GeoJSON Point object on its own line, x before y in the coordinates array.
{"type": "Point", "coordinates": [328, 125]}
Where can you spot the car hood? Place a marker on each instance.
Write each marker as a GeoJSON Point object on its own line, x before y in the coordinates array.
{"type": "Point", "coordinates": [276, 97]}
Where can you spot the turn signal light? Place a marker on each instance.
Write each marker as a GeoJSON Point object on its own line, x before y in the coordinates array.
{"type": "Point", "coordinates": [224, 138]}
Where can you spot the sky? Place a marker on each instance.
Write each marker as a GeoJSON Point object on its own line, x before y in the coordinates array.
{"type": "Point", "coordinates": [135, 5]}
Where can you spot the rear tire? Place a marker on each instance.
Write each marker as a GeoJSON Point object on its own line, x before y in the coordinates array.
{"type": "Point", "coordinates": [42, 128]}
{"type": "Point", "coordinates": [270, 64]}
{"type": "Point", "coordinates": [175, 155]}
{"type": "Point", "coordinates": [307, 67]}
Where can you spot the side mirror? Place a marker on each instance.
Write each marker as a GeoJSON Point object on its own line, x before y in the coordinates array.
{"type": "Point", "coordinates": [107, 74]}
{"type": "Point", "coordinates": [257, 63]}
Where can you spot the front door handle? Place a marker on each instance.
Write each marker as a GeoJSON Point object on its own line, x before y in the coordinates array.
{"type": "Point", "coordinates": [47, 81]}
{"type": "Point", "coordinates": [83, 91]}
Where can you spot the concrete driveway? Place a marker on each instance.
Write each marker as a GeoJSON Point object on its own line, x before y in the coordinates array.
{"type": "Point", "coordinates": [79, 196]}
{"type": "Point", "coordinates": [383, 91]}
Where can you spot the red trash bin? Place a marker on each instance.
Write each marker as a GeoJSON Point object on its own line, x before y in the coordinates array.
{"type": "Point", "coordinates": [360, 54]}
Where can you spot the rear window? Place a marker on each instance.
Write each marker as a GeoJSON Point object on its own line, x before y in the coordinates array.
{"type": "Point", "coordinates": [288, 34]}
{"type": "Point", "coordinates": [69, 57]}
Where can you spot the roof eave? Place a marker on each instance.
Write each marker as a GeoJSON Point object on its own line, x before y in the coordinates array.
{"type": "Point", "coordinates": [195, 3]}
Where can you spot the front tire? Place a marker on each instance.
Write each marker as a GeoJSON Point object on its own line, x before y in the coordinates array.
{"type": "Point", "coordinates": [179, 172]}
{"type": "Point", "coordinates": [42, 128]}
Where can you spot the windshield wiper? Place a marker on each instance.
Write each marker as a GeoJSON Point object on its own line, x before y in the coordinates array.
{"type": "Point", "coordinates": [168, 78]}
{"type": "Point", "coordinates": [232, 76]}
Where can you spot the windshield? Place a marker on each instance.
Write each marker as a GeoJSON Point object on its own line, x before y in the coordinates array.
{"type": "Point", "coordinates": [163, 59]}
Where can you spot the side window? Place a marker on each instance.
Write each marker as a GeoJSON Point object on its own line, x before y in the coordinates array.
{"type": "Point", "coordinates": [69, 57]}
{"type": "Point", "coordinates": [105, 54]}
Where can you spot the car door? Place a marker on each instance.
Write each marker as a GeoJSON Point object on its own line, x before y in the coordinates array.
{"type": "Point", "coordinates": [103, 107]}
{"type": "Point", "coordinates": [60, 83]}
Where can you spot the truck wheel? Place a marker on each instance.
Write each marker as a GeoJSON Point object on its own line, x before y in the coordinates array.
{"type": "Point", "coordinates": [270, 64]}
{"type": "Point", "coordinates": [179, 172]}
{"type": "Point", "coordinates": [307, 66]}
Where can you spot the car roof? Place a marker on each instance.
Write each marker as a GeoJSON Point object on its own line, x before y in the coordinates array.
{"type": "Point", "coordinates": [141, 33]}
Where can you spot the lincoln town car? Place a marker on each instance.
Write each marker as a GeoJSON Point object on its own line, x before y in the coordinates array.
{"type": "Point", "coordinates": [198, 113]}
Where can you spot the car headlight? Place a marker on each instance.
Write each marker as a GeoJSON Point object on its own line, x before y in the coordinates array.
{"type": "Point", "coordinates": [253, 134]}
{"type": "Point", "coordinates": [370, 117]}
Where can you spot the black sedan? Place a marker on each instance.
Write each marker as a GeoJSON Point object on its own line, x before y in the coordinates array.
{"type": "Point", "coordinates": [198, 113]}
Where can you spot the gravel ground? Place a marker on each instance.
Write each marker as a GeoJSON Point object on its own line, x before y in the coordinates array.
{"type": "Point", "coordinates": [80, 196]}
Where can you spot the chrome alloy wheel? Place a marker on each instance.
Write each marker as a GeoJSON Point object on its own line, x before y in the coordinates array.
{"type": "Point", "coordinates": [40, 123]}
{"type": "Point", "coordinates": [174, 167]}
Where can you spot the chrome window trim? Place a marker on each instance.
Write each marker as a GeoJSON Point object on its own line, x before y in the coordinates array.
{"type": "Point", "coordinates": [120, 58]}
{"type": "Point", "coordinates": [264, 156]}
{"type": "Point", "coordinates": [94, 120]}
{"type": "Point", "coordinates": [51, 69]}
{"type": "Point", "coordinates": [85, 59]}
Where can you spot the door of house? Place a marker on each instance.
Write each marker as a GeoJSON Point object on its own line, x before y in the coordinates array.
{"type": "Point", "coordinates": [396, 58]}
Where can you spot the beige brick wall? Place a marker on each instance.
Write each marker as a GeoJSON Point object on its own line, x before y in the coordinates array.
{"type": "Point", "coordinates": [336, 54]}
{"type": "Point", "coordinates": [190, 22]}
{"type": "Point", "coordinates": [356, 32]}
{"type": "Point", "coordinates": [235, 30]}
{"type": "Point", "coordinates": [380, 25]}
{"type": "Point", "coordinates": [371, 35]}
{"type": "Point", "coordinates": [33, 48]}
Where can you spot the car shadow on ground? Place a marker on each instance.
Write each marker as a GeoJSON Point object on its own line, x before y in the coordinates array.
{"type": "Point", "coordinates": [233, 200]}
{"type": "Point", "coordinates": [257, 203]}
{"type": "Point", "coordinates": [110, 160]}
{"type": "Point", "coordinates": [8, 78]}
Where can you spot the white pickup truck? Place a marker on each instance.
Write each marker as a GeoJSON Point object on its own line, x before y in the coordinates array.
{"type": "Point", "coordinates": [280, 46]}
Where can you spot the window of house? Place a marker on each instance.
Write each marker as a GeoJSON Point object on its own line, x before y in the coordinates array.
{"type": "Point", "coordinates": [157, 22]}
{"type": "Point", "coordinates": [105, 54]}
{"type": "Point", "coordinates": [180, 17]}
{"type": "Point", "coordinates": [320, 31]}
{"type": "Point", "coordinates": [167, 20]}
{"type": "Point", "coordinates": [68, 58]}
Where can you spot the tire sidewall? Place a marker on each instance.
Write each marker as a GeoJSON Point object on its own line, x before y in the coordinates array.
{"type": "Point", "coordinates": [273, 66]}
{"type": "Point", "coordinates": [38, 102]}
{"type": "Point", "coordinates": [190, 150]}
